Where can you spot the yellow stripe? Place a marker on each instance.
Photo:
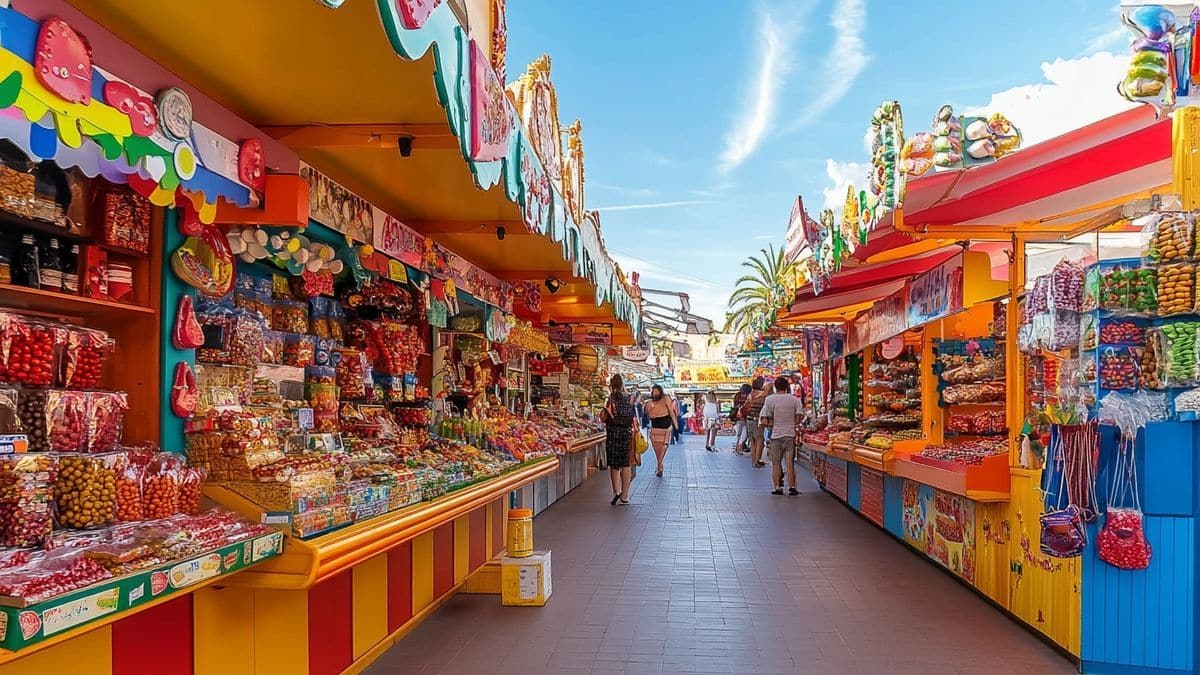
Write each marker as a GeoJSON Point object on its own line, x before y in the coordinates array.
{"type": "Point", "coordinates": [90, 653]}
{"type": "Point", "coordinates": [462, 547]}
{"type": "Point", "coordinates": [489, 529]}
{"type": "Point", "coordinates": [370, 603]}
{"type": "Point", "coordinates": [422, 571]}
{"type": "Point", "coordinates": [281, 632]}
{"type": "Point", "coordinates": [224, 631]}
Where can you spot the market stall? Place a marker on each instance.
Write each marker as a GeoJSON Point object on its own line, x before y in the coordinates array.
{"type": "Point", "coordinates": [1010, 484]}
{"type": "Point", "coordinates": [343, 399]}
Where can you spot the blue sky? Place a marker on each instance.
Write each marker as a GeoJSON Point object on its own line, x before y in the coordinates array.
{"type": "Point", "coordinates": [703, 119]}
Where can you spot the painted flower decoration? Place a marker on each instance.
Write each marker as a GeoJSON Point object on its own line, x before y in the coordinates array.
{"type": "Point", "coordinates": [143, 116]}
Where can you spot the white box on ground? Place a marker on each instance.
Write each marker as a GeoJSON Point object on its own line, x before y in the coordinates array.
{"type": "Point", "coordinates": [525, 582]}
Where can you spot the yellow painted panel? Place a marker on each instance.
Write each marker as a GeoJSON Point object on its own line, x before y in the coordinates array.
{"type": "Point", "coordinates": [992, 535]}
{"type": "Point", "coordinates": [422, 572]}
{"type": "Point", "coordinates": [280, 632]}
{"type": "Point", "coordinates": [90, 653]}
{"type": "Point", "coordinates": [462, 547]}
{"type": "Point", "coordinates": [370, 603]}
{"type": "Point", "coordinates": [223, 626]}
{"type": "Point", "coordinates": [488, 520]}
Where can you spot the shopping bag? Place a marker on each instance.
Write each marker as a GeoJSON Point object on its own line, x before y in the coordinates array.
{"type": "Point", "coordinates": [1122, 541]}
{"type": "Point", "coordinates": [640, 444]}
{"type": "Point", "coordinates": [1063, 535]}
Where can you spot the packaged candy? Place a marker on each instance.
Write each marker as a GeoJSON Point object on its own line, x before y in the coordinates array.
{"type": "Point", "coordinates": [1176, 289]}
{"type": "Point", "coordinates": [352, 373]}
{"type": "Point", "coordinates": [1066, 286]}
{"type": "Point", "coordinates": [160, 486]}
{"type": "Point", "coordinates": [26, 498]}
{"type": "Point", "coordinates": [1171, 238]}
{"type": "Point", "coordinates": [1119, 368]}
{"type": "Point", "coordinates": [67, 420]}
{"type": "Point", "coordinates": [130, 506]}
{"type": "Point", "coordinates": [190, 490]}
{"type": "Point", "coordinates": [84, 354]}
{"type": "Point", "coordinates": [33, 351]}
{"type": "Point", "coordinates": [86, 490]}
{"type": "Point", "coordinates": [106, 419]}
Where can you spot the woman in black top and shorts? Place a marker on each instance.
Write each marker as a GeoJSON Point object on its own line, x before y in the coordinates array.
{"type": "Point", "coordinates": [662, 417]}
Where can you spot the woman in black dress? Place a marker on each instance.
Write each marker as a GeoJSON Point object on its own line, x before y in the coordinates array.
{"type": "Point", "coordinates": [618, 416]}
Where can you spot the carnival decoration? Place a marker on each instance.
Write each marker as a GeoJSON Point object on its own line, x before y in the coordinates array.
{"type": "Point", "coordinates": [916, 158]}
{"type": "Point", "coordinates": [174, 113]}
{"type": "Point", "coordinates": [294, 253]}
{"type": "Point", "coordinates": [850, 227]}
{"type": "Point", "coordinates": [252, 164]}
{"type": "Point", "coordinates": [143, 115]}
{"type": "Point", "coordinates": [353, 269]}
{"type": "Point", "coordinates": [62, 61]}
{"type": "Point", "coordinates": [1154, 75]}
{"type": "Point", "coordinates": [986, 140]}
{"type": "Point", "coordinates": [536, 102]}
{"type": "Point", "coordinates": [490, 121]}
{"type": "Point", "coordinates": [499, 40]}
{"type": "Point", "coordinates": [414, 13]}
{"type": "Point", "coordinates": [887, 181]}
{"type": "Point", "coordinates": [572, 173]}
{"type": "Point", "coordinates": [205, 262]}
{"type": "Point", "coordinates": [947, 140]}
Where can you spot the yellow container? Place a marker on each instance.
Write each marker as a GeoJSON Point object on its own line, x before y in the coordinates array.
{"type": "Point", "coordinates": [520, 533]}
{"type": "Point", "coordinates": [525, 582]}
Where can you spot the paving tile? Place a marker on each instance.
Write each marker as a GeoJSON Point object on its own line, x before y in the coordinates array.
{"type": "Point", "coordinates": [707, 572]}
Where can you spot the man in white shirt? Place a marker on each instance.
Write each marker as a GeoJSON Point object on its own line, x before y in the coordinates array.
{"type": "Point", "coordinates": [779, 414]}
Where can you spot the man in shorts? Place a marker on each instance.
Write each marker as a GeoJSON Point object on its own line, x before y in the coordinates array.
{"type": "Point", "coordinates": [779, 414]}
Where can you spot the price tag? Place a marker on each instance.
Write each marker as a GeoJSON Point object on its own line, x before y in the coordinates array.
{"type": "Point", "coordinates": [397, 272]}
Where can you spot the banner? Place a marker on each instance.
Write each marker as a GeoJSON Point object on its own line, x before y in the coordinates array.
{"type": "Point", "coordinates": [693, 375]}
{"type": "Point", "coordinates": [937, 293]}
{"type": "Point", "coordinates": [560, 334]}
{"type": "Point", "coordinates": [886, 318]}
{"type": "Point", "coordinates": [942, 525]}
{"type": "Point", "coordinates": [337, 208]}
{"type": "Point", "coordinates": [591, 335]}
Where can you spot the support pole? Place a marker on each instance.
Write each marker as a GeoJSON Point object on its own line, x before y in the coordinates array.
{"type": "Point", "coordinates": [1185, 150]}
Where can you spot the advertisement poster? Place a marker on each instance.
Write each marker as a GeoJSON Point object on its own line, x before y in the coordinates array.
{"type": "Point", "coordinates": [337, 208]}
{"type": "Point", "coordinates": [686, 375]}
{"type": "Point", "coordinates": [942, 525]}
{"type": "Point", "coordinates": [835, 477]}
{"type": "Point", "coordinates": [591, 335]}
{"type": "Point", "coordinates": [871, 505]}
{"type": "Point", "coordinates": [937, 293]}
{"type": "Point", "coordinates": [886, 318]}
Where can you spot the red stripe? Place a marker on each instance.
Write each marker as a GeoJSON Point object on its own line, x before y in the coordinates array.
{"type": "Point", "coordinates": [478, 537]}
{"type": "Point", "coordinates": [443, 559]}
{"type": "Point", "coordinates": [1126, 153]}
{"type": "Point", "coordinates": [331, 625]}
{"type": "Point", "coordinates": [399, 586]}
{"type": "Point", "coordinates": [157, 640]}
{"type": "Point", "coordinates": [498, 525]}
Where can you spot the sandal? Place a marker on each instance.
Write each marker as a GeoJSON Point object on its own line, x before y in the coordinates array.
{"type": "Point", "coordinates": [759, 465]}
{"type": "Point", "coordinates": [614, 499]}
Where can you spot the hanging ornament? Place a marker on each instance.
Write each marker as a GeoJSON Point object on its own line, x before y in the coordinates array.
{"type": "Point", "coordinates": [252, 164]}
{"type": "Point", "coordinates": [205, 262]}
{"type": "Point", "coordinates": [185, 396]}
{"type": "Point", "coordinates": [175, 113]}
{"type": "Point", "coordinates": [187, 333]}
{"type": "Point", "coordinates": [62, 61]}
{"type": "Point", "coordinates": [143, 116]}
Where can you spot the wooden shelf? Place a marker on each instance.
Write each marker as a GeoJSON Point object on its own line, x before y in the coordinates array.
{"type": "Point", "coordinates": [50, 302]}
{"type": "Point", "coordinates": [986, 482]}
{"type": "Point", "coordinates": [35, 226]}
{"type": "Point", "coordinates": [305, 563]}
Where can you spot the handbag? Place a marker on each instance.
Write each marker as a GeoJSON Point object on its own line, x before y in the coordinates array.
{"type": "Point", "coordinates": [640, 444]}
{"type": "Point", "coordinates": [1122, 540]}
{"type": "Point", "coordinates": [1064, 534]}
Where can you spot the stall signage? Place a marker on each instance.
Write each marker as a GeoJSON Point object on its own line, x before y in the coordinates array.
{"type": "Point", "coordinates": [797, 233]}
{"type": "Point", "coordinates": [559, 334]}
{"type": "Point", "coordinates": [398, 240]}
{"type": "Point", "coordinates": [937, 293]}
{"type": "Point", "coordinates": [490, 121]}
{"type": "Point", "coordinates": [886, 318]}
{"type": "Point", "coordinates": [871, 490]}
{"type": "Point", "coordinates": [942, 525]}
{"type": "Point", "coordinates": [591, 335]}
{"type": "Point", "coordinates": [635, 354]}
{"type": "Point", "coordinates": [335, 207]}
{"type": "Point", "coordinates": [701, 375]}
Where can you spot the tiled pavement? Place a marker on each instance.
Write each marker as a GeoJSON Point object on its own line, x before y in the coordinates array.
{"type": "Point", "coordinates": [706, 571]}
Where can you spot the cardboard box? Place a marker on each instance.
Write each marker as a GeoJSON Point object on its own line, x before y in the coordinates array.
{"type": "Point", "coordinates": [525, 582]}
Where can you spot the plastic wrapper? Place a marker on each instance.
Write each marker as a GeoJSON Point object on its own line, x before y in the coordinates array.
{"type": "Point", "coordinates": [1176, 289]}
{"type": "Point", "coordinates": [299, 350]}
{"type": "Point", "coordinates": [1089, 334]}
{"type": "Point", "coordinates": [1120, 368]}
{"type": "Point", "coordinates": [318, 317]}
{"type": "Point", "coordinates": [84, 355]}
{"type": "Point", "coordinates": [191, 486]}
{"type": "Point", "coordinates": [1143, 292]}
{"type": "Point", "coordinates": [249, 294]}
{"type": "Point", "coordinates": [1057, 330]}
{"type": "Point", "coordinates": [33, 351]}
{"type": "Point", "coordinates": [974, 393]}
{"type": "Point", "coordinates": [27, 499]}
{"type": "Point", "coordinates": [160, 485]}
{"type": "Point", "coordinates": [273, 347]}
{"type": "Point", "coordinates": [10, 412]}
{"type": "Point", "coordinates": [289, 316]}
{"type": "Point", "coordinates": [123, 217]}
{"type": "Point", "coordinates": [1065, 291]}
{"type": "Point", "coordinates": [85, 491]}
{"type": "Point", "coordinates": [1121, 333]}
{"type": "Point", "coordinates": [67, 420]}
{"type": "Point", "coordinates": [51, 575]}
{"type": "Point", "coordinates": [1153, 365]}
{"type": "Point", "coordinates": [323, 398]}
{"type": "Point", "coordinates": [106, 420]}
{"type": "Point", "coordinates": [128, 484]}
{"type": "Point", "coordinates": [980, 370]}
{"type": "Point", "coordinates": [1179, 353]}
{"type": "Point", "coordinates": [1170, 238]}
{"type": "Point", "coordinates": [233, 337]}
{"type": "Point", "coordinates": [353, 375]}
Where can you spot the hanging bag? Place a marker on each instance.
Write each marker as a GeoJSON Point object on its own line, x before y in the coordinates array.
{"type": "Point", "coordinates": [1064, 534]}
{"type": "Point", "coordinates": [1122, 541]}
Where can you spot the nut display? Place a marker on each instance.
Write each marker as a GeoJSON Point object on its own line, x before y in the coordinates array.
{"type": "Point", "coordinates": [1153, 365]}
{"type": "Point", "coordinates": [1176, 289]}
{"type": "Point", "coordinates": [85, 491]}
{"type": "Point", "coordinates": [1173, 238]}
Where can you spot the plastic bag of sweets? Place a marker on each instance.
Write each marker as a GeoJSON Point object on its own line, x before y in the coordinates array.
{"type": "Point", "coordinates": [27, 498]}
{"type": "Point", "coordinates": [68, 415]}
{"type": "Point", "coordinates": [1091, 288]}
{"type": "Point", "coordinates": [33, 351]}
{"type": "Point", "coordinates": [106, 420]}
{"type": "Point", "coordinates": [1066, 286]}
{"type": "Point", "coordinates": [299, 351]}
{"type": "Point", "coordinates": [1119, 368]}
{"type": "Point", "coordinates": [1153, 375]}
{"type": "Point", "coordinates": [128, 485]}
{"type": "Point", "coordinates": [86, 490]}
{"type": "Point", "coordinates": [52, 575]}
{"type": "Point", "coordinates": [1114, 289]}
{"type": "Point", "coordinates": [351, 373]}
{"type": "Point", "coordinates": [160, 486]}
{"type": "Point", "coordinates": [1062, 331]}
{"type": "Point", "coordinates": [1179, 354]}
{"type": "Point", "coordinates": [245, 342]}
{"type": "Point", "coordinates": [1143, 292]}
{"type": "Point", "coordinates": [1176, 289]}
{"type": "Point", "coordinates": [10, 412]}
{"type": "Point", "coordinates": [84, 354]}
{"type": "Point", "coordinates": [337, 321]}
{"type": "Point", "coordinates": [190, 490]}
{"type": "Point", "coordinates": [1170, 238]}
{"type": "Point", "coordinates": [318, 317]}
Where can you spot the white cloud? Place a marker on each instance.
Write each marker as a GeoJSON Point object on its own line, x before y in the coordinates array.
{"type": "Point", "coordinates": [846, 60]}
{"type": "Point", "coordinates": [1074, 93]}
{"type": "Point", "coordinates": [635, 192]}
{"type": "Point", "coordinates": [655, 158]}
{"type": "Point", "coordinates": [654, 205]}
{"type": "Point", "coordinates": [842, 175]}
{"type": "Point", "coordinates": [754, 121]}
{"type": "Point", "coordinates": [1109, 39]}
{"type": "Point", "coordinates": [765, 237]}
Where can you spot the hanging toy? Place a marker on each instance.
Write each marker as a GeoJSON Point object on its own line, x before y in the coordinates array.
{"type": "Point", "coordinates": [187, 333]}
{"type": "Point", "coordinates": [205, 262]}
{"type": "Point", "coordinates": [1150, 77]}
{"type": "Point", "coordinates": [185, 396]}
{"type": "Point", "coordinates": [352, 269]}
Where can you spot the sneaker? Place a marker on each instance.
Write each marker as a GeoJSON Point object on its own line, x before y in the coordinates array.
{"type": "Point", "coordinates": [777, 491]}
{"type": "Point", "coordinates": [793, 492]}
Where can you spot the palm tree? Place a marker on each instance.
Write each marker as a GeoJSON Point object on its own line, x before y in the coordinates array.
{"type": "Point", "coordinates": [758, 295]}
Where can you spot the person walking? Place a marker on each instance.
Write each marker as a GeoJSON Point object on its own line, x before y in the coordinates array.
{"type": "Point", "coordinates": [779, 413]}
{"type": "Point", "coordinates": [712, 420]}
{"type": "Point", "coordinates": [738, 416]}
{"type": "Point", "coordinates": [661, 414]}
{"type": "Point", "coordinates": [754, 432]}
{"type": "Point", "coordinates": [619, 420]}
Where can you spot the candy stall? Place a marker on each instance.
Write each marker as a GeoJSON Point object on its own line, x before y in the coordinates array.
{"type": "Point", "coordinates": [250, 419]}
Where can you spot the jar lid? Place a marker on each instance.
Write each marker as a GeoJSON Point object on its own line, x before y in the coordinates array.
{"type": "Point", "coordinates": [517, 514]}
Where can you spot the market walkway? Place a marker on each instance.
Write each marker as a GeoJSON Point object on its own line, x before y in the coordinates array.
{"type": "Point", "coordinates": [706, 571]}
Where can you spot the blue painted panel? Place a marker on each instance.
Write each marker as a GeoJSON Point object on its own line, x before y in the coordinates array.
{"type": "Point", "coordinates": [893, 513]}
{"type": "Point", "coordinates": [1143, 618]}
{"type": "Point", "coordinates": [854, 486]}
{"type": "Point", "coordinates": [1169, 478]}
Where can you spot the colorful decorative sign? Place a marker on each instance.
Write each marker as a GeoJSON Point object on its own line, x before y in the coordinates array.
{"type": "Point", "coordinates": [942, 525]}
{"type": "Point", "coordinates": [537, 107]}
{"type": "Point", "coordinates": [413, 13]}
{"type": "Point", "coordinates": [560, 334]}
{"type": "Point", "coordinates": [937, 293]}
{"type": "Point", "coordinates": [490, 122]}
{"type": "Point", "coordinates": [336, 207]}
{"type": "Point", "coordinates": [886, 318]}
{"type": "Point", "coordinates": [572, 178]}
{"type": "Point", "coordinates": [699, 375]}
{"type": "Point", "coordinates": [916, 159]}
{"type": "Point", "coordinates": [591, 335]}
{"type": "Point", "coordinates": [871, 495]}
{"type": "Point", "coordinates": [499, 51]}
{"type": "Point", "coordinates": [947, 140]}
{"type": "Point", "coordinates": [801, 231]}
{"type": "Point", "coordinates": [887, 180]}
{"type": "Point", "coordinates": [537, 192]}
{"type": "Point", "coordinates": [62, 61]}
{"type": "Point", "coordinates": [635, 354]}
